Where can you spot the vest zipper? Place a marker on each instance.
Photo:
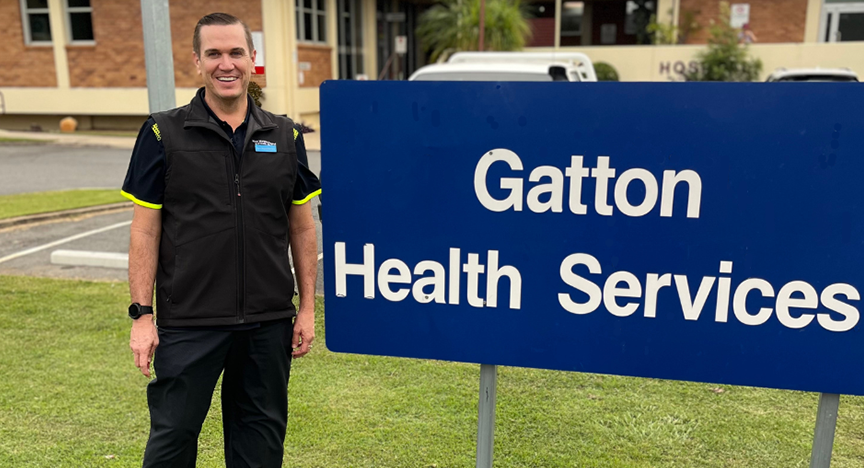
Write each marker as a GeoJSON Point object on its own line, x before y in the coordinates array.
{"type": "Point", "coordinates": [241, 261]}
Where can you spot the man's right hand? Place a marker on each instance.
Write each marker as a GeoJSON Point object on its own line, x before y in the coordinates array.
{"type": "Point", "coordinates": [143, 341]}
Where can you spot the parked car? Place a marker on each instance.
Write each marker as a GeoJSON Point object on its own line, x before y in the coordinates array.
{"type": "Point", "coordinates": [813, 74]}
{"type": "Point", "coordinates": [496, 71]}
{"type": "Point", "coordinates": [579, 60]}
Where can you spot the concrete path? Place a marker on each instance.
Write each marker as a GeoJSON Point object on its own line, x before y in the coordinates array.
{"type": "Point", "coordinates": [48, 167]}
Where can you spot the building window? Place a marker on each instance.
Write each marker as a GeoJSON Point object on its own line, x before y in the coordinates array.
{"type": "Point", "coordinates": [37, 24]}
{"type": "Point", "coordinates": [637, 18]}
{"type": "Point", "coordinates": [571, 23]}
{"type": "Point", "coordinates": [350, 39]}
{"type": "Point", "coordinates": [79, 15]}
{"type": "Point", "coordinates": [311, 21]}
{"type": "Point", "coordinates": [842, 21]}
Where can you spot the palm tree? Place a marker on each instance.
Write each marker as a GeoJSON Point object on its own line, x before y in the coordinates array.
{"type": "Point", "coordinates": [454, 25]}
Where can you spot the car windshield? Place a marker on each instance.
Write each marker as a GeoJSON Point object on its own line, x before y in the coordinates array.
{"type": "Point", "coordinates": [483, 76]}
{"type": "Point", "coordinates": [828, 78]}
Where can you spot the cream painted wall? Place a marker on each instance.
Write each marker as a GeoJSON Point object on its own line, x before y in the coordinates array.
{"type": "Point", "coordinates": [278, 64]}
{"type": "Point", "coordinates": [370, 39]}
{"type": "Point", "coordinates": [814, 18]}
{"type": "Point", "coordinates": [667, 11]}
{"type": "Point", "coordinates": [659, 63]}
{"type": "Point", "coordinates": [57, 21]}
{"type": "Point", "coordinates": [84, 101]}
{"type": "Point", "coordinates": [333, 37]}
{"type": "Point", "coordinates": [307, 106]}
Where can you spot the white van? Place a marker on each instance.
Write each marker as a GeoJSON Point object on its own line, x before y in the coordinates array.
{"type": "Point", "coordinates": [496, 72]}
{"type": "Point", "coordinates": [573, 59]}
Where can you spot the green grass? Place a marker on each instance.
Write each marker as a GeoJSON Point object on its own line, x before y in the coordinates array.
{"type": "Point", "coordinates": [70, 396]}
{"type": "Point", "coordinates": [20, 141]}
{"type": "Point", "coordinates": [43, 202]}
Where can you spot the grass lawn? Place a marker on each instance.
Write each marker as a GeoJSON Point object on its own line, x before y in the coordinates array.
{"type": "Point", "coordinates": [43, 202]}
{"type": "Point", "coordinates": [20, 141]}
{"type": "Point", "coordinates": [70, 397]}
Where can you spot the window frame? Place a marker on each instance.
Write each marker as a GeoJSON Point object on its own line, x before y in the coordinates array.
{"type": "Point", "coordinates": [829, 22]}
{"type": "Point", "coordinates": [570, 32]}
{"type": "Point", "coordinates": [25, 24]}
{"type": "Point", "coordinates": [355, 50]}
{"type": "Point", "coordinates": [300, 10]}
{"type": "Point", "coordinates": [67, 16]}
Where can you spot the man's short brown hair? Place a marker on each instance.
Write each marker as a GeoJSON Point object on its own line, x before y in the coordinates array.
{"type": "Point", "coordinates": [219, 19]}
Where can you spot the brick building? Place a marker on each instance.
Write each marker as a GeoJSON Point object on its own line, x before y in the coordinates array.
{"type": "Point", "coordinates": [86, 57]}
{"type": "Point", "coordinates": [788, 33]}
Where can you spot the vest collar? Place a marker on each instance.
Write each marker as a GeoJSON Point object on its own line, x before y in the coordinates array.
{"type": "Point", "coordinates": [197, 116]}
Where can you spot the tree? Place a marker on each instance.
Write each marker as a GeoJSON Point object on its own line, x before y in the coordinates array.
{"type": "Point", "coordinates": [454, 25]}
{"type": "Point", "coordinates": [725, 59]}
{"type": "Point", "coordinates": [668, 34]}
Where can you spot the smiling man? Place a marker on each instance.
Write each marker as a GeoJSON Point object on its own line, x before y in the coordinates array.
{"type": "Point", "coordinates": [221, 189]}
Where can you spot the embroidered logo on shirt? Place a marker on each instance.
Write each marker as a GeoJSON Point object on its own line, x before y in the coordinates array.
{"type": "Point", "coordinates": [264, 146]}
{"type": "Point", "coordinates": [156, 132]}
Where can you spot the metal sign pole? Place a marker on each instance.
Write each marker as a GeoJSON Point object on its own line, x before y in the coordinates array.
{"type": "Point", "coordinates": [823, 437]}
{"type": "Point", "coordinates": [158, 54]}
{"type": "Point", "coordinates": [486, 416]}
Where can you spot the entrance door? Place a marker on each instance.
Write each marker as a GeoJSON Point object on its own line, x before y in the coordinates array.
{"type": "Point", "coordinates": [842, 22]}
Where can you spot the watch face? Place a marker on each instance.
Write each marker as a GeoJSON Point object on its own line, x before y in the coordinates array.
{"type": "Point", "coordinates": [134, 311]}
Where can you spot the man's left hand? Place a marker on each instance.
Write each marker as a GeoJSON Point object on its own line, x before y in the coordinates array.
{"type": "Point", "coordinates": [304, 333]}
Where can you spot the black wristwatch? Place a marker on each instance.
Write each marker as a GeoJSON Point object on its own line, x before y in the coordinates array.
{"type": "Point", "coordinates": [136, 310]}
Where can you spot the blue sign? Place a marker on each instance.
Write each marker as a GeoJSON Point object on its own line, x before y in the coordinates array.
{"type": "Point", "coordinates": [688, 231]}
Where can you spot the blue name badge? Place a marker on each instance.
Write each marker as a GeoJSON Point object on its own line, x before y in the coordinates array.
{"type": "Point", "coordinates": [265, 148]}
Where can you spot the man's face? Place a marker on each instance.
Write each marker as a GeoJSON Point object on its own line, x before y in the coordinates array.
{"type": "Point", "coordinates": [225, 63]}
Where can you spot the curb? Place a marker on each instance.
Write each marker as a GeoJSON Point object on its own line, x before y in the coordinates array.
{"type": "Point", "coordinates": [87, 258]}
{"type": "Point", "coordinates": [36, 218]}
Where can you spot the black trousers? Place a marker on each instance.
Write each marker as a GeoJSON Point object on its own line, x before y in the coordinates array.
{"type": "Point", "coordinates": [256, 364]}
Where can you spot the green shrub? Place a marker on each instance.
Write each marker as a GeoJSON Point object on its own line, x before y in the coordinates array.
{"type": "Point", "coordinates": [256, 92]}
{"type": "Point", "coordinates": [725, 59]}
{"type": "Point", "coordinates": [605, 72]}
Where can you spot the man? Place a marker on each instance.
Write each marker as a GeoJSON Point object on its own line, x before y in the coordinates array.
{"type": "Point", "coordinates": [221, 188]}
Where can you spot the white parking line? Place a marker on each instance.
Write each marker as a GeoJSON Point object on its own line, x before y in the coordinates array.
{"type": "Point", "coordinates": [63, 241]}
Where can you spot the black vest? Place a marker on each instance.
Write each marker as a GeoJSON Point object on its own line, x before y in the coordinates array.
{"type": "Point", "coordinates": [223, 256]}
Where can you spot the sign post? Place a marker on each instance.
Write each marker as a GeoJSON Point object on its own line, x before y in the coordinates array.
{"type": "Point", "coordinates": [693, 246]}
{"type": "Point", "coordinates": [823, 438]}
{"type": "Point", "coordinates": [158, 54]}
{"type": "Point", "coordinates": [486, 415]}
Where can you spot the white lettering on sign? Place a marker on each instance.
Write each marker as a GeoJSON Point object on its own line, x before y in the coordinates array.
{"type": "Point", "coordinates": [550, 184]}
{"type": "Point", "coordinates": [430, 280]}
{"type": "Point", "coordinates": [622, 295]}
